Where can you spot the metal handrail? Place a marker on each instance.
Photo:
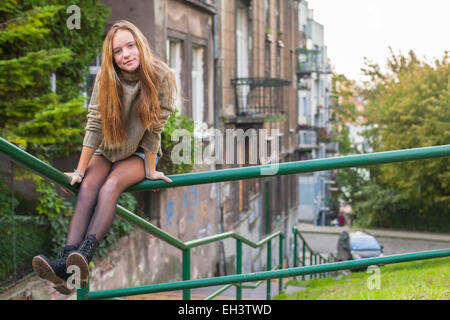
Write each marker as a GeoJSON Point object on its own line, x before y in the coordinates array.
{"type": "Point", "coordinates": [312, 253]}
{"type": "Point", "coordinates": [23, 158]}
{"type": "Point", "coordinates": [41, 168]}
{"type": "Point", "coordinates": [262, 171]}
{"type": "Point", "coordinates": [264, 275]}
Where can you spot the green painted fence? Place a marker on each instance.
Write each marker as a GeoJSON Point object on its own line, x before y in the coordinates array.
{"type": "Point", "coordinates": [317, 266]}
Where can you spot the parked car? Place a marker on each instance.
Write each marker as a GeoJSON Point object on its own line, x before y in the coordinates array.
{"type": "Point", "coordinates": [354, 245]}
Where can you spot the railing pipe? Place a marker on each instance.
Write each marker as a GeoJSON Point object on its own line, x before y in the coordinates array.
{"type": "Point", "coordinates": [280, 281]}
{"type": "Point", "coordinates": [230, 234]}
{"type": "Point", "coordinates": [238, 267]}
{"type": "Point", "coordinates": [295, 249]}
{"type": "Point", "coordinates": [315, 263]}
{"type": "Point", "coordinates": [83, 293]}
{"type": "Point", "coordinates": [215, 294]}
{"type": "Point", "coordinates": [304, 256]}
{"type": "Point", "coordinates": [269, 267]}
{"type": "Point", "coordinates": [187, 272]}
{"type": "Point", "coordinates": [199, 283]}
{"type": "Point", "coordinates": [147, 226]}
{"type": "Point", "coordinates": [23, 158]}
{"type": "Point", "coordinates": [285, 168]}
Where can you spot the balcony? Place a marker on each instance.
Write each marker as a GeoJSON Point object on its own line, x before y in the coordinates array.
{"type": "Point", "coordinates": [206, 5]}
{"type": "Point", "coordinates": [304, 84]}
{"type": "Point", "coordinates": [306, 62]}
{"type": "Point", "coordinates": [307, 140]}
{"type": "Point", "coordinates": [259, 99]}
{"type": "Point", "coordinates": [331, 147]}
{"type": "Point", "coordinates": [323, 135]}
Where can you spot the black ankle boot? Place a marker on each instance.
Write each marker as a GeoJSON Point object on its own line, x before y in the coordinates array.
{"type": "Point", "coordinates": [54, 271]}
{"type": "Point", "coordinates": [82, 257]}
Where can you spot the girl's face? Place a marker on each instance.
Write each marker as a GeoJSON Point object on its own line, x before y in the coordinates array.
{"type": "Point", "coordinates": [125, 52]}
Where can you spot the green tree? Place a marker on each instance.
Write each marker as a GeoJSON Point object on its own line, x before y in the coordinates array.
{"type": "Point", "coordinates": [408, 107]}
{"type": "Point", "coordinates": [350, 180]}
{"type": "Point", "coordinates": [35, 43]}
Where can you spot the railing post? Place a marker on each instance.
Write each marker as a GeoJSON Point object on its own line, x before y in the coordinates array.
{"type": "Point", "coordinates": [315, 263]}
{"type": "Point", "coordinates": [322, 275]}
{"type": "Point", "coordinates": [238, 267]}
{"type": "Point", "coordinates": [310, 261]}
{"type": "Point", "coordinates": [269, 266]}
{"type": "Point", "coordinates": [319, 261]}
{"type": "Point", "coordinates": [304, 256]}
{"type": "Point", "coordinates": [295, 249]}
{"type": "Point", "coordinates": [187, 272]}
{"type": "Point", "coordinates": [82, 294]}
{"type": "Point", "coordinates": [280, 281]}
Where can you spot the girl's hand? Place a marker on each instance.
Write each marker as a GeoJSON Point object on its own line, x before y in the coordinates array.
{"type": "Point", "coordinates": [74, 178]}
{"type": "Point", "coordinates": [157, 175]}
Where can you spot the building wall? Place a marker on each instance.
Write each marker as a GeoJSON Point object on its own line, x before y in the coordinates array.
{"type": "Point", "coordinates": [275, 212]}
{"type": "Point", "coordinates": [252, 207]}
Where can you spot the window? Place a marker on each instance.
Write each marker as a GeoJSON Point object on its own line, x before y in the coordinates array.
{"type": "Point", "coordinates": [174, 61]}
{"type": "Point", "coordinates": [198, 91]}
{"type": "Point", "coordinates": [278, 57]}
{"type": "Point", "coordinates": [242, 53]}
{"type": "Point", "coordinates": [267, 55]}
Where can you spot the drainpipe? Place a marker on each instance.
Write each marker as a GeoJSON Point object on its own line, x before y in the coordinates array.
{"type": "Point", "coordinates": [222, 256]}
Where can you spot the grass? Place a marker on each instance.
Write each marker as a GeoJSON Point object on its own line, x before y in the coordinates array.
{"type": "Point", "coordinates": [417, 280]}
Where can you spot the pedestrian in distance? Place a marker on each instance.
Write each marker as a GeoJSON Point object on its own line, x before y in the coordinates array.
{"type": "Point", "coordinates": [132, 99]}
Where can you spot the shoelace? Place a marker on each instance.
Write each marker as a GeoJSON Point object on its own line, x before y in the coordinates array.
{"type": "Point", "coordinates": [65, 252]}
{"type": "Point", "coordinates": [87, 245]}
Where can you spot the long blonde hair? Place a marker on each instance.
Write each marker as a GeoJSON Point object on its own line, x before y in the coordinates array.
{"type": "Point", "coordinates": [152, 72]}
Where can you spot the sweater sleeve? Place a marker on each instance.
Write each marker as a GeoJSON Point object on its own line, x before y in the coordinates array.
{"type": "Point", "coordinates": [152, 137]}
{"type": "Point", "coordinates": [93, 135]}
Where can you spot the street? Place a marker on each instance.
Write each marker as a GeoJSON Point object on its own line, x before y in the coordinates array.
{"type": "Point", "coordinates": [325, 243]}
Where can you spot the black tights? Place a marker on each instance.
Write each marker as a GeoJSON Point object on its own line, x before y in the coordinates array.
{"type": "Point", "coordinates": [100, 189]}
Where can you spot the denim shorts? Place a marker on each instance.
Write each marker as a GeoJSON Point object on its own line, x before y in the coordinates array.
{"type": "Point", "coordinates": [140, 152]}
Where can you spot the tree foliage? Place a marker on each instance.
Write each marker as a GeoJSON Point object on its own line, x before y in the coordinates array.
{"type": "Point", "coordinates": [35, 43]}
{"type": "Point", "coordinates": [35, 46]}
{"type": "Point", "coordinates": [408, 107]}
{"type": "Point", "coordinates": [349, 180]}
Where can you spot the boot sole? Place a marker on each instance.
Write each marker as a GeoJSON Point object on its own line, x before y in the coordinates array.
{"type": "Point", "coordinates": [46, 272]}
{"type": "Point", "coordinates": [79, 261]}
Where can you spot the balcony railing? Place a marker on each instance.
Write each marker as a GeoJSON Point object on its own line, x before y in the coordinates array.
{"type": "Point", "coordinates": [331, 147]}
{"type": "Point", "coordinates": [306, 62]}
{"type": "Point", "coordinates": [207, 5]}
{"type": "Point", "coordinates": [307, 140]}
{"type": "Point", "coordinates": [259, 97]}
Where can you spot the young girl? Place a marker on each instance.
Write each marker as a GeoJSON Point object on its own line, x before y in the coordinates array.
{"type": "Point", "coordinates": [131, 101]}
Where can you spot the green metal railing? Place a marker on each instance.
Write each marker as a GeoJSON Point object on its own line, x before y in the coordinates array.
{"type": "Point", "coordinates": [315, 257]}
{"type": "Point", "coordinates": [41, 168]}
{"type": "Point", "coordinates": [264, 275]}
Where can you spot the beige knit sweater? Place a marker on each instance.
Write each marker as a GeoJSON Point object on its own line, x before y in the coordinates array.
{"type": "Point", "coordinates": [137, 135]}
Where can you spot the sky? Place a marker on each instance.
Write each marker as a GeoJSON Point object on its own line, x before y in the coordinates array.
{"type": "Point", "coordinates": [354, 29]}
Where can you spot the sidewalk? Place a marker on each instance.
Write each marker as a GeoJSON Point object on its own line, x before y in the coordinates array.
{"type": "Point", "coordinates": [310, 228]}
